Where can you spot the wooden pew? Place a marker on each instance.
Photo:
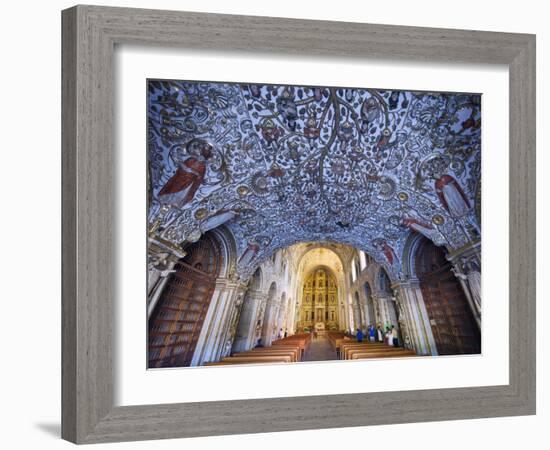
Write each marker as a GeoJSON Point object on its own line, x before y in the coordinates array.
{"type": "Point", "coordinates": [294, 350]}
{"type": "Point", "coordinates": [391, 354]}
{"type": "Point", "coordinates": [337, 343]}
{"type": "Point", "coordinates": [348, 351]}
{"type": "Point", "coordinates": [346, 346]}
{"type": "Point", "coordinates": [301, 342]}
{"type": "Point", "coordinates": [268, 352]}
{"type": "Point", "coordinates": [251, 359]}
{"type": "Point", "coordinates": [360, 350]}
{"type": "Point", "coordinates": [333, 337]}
{"type": "Point", "coordinates": [289, 349]}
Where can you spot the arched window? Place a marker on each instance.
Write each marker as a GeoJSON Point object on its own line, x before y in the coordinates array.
{"type": "Point", "coordinates": [383, 281]}
{"type": "Point", "coordinates": [362, 260]}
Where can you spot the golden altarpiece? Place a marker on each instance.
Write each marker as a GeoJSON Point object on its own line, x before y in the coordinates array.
{"type": "Point", "coordinates": [319, 306]}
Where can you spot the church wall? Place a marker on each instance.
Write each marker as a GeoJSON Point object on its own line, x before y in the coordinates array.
{"type": "Point", "coordinates": [382, 303]}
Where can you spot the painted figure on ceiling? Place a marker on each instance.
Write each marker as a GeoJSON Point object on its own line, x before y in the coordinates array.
{"type": "Point", "coordinates": [255, 90]}
{"type": "Point", "coordinates": [270, 132]}
{"type": "Point", "coordinates": [384, 139]}
{"type": "Point", "coordinates": [451, 196]}
{"type": "Point", "coordinates": [287, 109]}
{"type": "Point", "coordinates": [394, 99]}
{"type": "Point", "coordinates": [388, 252]}
{"type": "Point", "coordinates": [386, 249]}
{"type": "Point", "coordinates": [317, 94]}
{"type": "Point", "coordinates": [180, 189]}
{"type": "Point", "coordinates": [311, 131]}
{"type": "Point", "coordinates": [370, 111]}
{"type": "Point", "coordinates": [471, 122]}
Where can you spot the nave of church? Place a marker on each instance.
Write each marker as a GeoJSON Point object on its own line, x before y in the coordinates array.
{"type": "Point", "coordinates": [299, 223]}
{"type": "Point", "coordinates": [309, 302]}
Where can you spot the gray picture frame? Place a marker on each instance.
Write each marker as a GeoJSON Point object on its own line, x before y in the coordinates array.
{"type": "Point", "coordinates": [90, 34]}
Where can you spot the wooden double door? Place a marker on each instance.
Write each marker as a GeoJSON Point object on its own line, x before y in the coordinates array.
{"type": "Point", "coordinates": [177, 320]}
{"type": "Point", "coordinates": [453, 324]}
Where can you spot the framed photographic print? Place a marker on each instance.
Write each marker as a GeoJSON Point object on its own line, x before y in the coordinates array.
{"type": "Point", "coordinates": [258, 219]}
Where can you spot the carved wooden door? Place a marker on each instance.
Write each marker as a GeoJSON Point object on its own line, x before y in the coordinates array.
{"type": "Point", "coordinates": [453, 325]}
{"type": "Point", "coordinates": [177, 320]}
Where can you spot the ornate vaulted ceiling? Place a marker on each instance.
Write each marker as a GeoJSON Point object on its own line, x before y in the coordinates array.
{"type": "Point", "coordinates": [285, 164]}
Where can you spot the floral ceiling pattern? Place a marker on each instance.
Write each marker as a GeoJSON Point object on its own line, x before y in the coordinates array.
{"type": "Point", "coordinates": [285, 164]}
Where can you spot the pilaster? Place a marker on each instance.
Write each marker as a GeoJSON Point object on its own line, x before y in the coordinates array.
{"type": "Point", "coordinates": [417, 331]}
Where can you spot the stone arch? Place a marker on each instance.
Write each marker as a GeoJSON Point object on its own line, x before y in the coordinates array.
{"type": "Point", "coordinates": [358, 311]}
{"type": "Point", "coordinates": [371, 319]}
{"type": "Point", "coordinates": [386, 310]}
{"type": "Point", "coordinates": [245, 334]}
{"type": "Point", "coordinates": [412, 243]}
{"type": "Point", "coordinates": [228, 249]}
{"type": "Point", "coordinates": [383, 282]}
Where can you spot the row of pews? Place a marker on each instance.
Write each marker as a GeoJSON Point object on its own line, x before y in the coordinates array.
{"type": "Point", "coordinates": [348, 348]}
{"type": "Point", "coordinates": [285, 350]}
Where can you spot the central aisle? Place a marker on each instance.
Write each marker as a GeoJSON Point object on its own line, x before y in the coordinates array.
{"type": "Point", "coordinates": [320, 350]}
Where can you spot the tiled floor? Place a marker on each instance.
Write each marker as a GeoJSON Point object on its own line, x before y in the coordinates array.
{"type": "Point", "coordinates": [320, 350]}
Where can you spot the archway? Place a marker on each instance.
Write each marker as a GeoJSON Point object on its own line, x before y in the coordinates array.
{"type": "Point", "coordinates": [387, 311]}
{"type": "Point", "coordinates": [371, 319]}
{"type": "Point", "coordinates": [176, 321]}
{"type": "Point", "coordinates": [452, 322]}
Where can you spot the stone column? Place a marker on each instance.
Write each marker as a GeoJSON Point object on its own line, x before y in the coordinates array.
{"type": "Point", "coordinates": [280, 317]}
{"type": "Point", "coordinates": [292, 317]}
{"type": "Point", "coordinates": [161, 259]}
{"type": "Point", "coordinates": [417, 331]}
{"type": "Point", "coordinates": [245, 337]}
{"type": "Point", "coordinates": [356, 317]}
{"type": "Point", "coordinates": [271, 323]}
{"type": "Point", "coordinates": [467, 269]}
{"type": "Point", "coordinates": [363, 314]}
{"type": "Point", "coordinates": [232, 322]}
{"type": "Point", "coordinates": [274, 321]}
{"type": "Point", "coordinates": [350, 317]}
{"type": "Point", "coordinates": [260, 312]}
{"type": "Point", "coordinates": [384, 309]}
{"type": "Point", "coordinates": [213, 339]}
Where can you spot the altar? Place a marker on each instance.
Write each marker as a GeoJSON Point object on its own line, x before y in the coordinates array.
{"type": "Point", "coordinates": [320, 326]}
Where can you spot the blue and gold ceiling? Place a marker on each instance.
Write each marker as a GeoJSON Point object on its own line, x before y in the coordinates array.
{"type": "Point", "coordinates": [284, 164]}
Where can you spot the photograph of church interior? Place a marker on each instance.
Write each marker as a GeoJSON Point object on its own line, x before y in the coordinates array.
{"type": "Point", "coordinates": [307, 223]}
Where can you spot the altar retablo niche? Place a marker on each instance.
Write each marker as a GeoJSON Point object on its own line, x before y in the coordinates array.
{"type": "Point", "coordinates": [308, 223]}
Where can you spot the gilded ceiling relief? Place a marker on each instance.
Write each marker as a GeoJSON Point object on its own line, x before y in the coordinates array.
{"type": "Point", "coordinates": [285, 164]}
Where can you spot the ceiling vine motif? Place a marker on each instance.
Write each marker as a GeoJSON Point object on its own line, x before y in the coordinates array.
{"type": "Point", "coordinates": [285, 164]}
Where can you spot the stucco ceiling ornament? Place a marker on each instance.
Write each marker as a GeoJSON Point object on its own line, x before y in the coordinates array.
{"type": "Point", "coordinates": [280, 165]}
